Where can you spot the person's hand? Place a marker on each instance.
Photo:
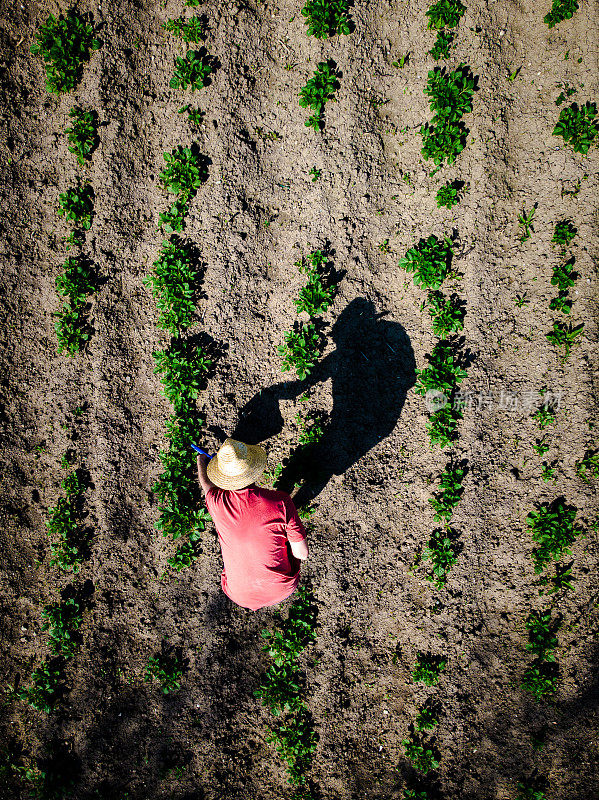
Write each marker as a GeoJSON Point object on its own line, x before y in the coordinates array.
{"type": "Point", "coordinates": [202, 459]}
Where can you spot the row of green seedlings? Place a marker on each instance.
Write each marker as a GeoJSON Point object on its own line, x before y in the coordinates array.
{"type": "Point", "coordinates": [65, 43]}
{"type": "Point", "coordinates": [564, 335]}
{"type": "Point", "coordinates": [174, 281]}
{"type": "Point", "coordinates": [282, 690]}
{"type": "Point", "coordinates": [420, 745]}
{"type": "Point", "coordinates": [441, 15]}
{"type": "Point", "coordinates": [430, 261]}
{"type": "Point", "coordinates": [70, 547]}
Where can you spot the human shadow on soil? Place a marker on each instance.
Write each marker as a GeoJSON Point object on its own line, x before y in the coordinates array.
{"type": "Point", "coordinates": [371, 369]}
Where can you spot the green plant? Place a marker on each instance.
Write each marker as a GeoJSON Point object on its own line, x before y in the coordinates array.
{"type": "Point", "coordinates": [563, 303]}
{"type": "Point", "coordinates": [565, 336]}
{"type": "Point", "coordinates": [525, 222]}
{"type": "Point", "coordinates": [427, 719]}
{"type": "Point", "coordinates": [63, 620]}
{"type": "Point", "coordinates": [553, 529]}
{"type": "Point", "coordinates": [295, 742]}
{"type": "Point", "coordinates": [445, 13]}
{"type": "Point", "coordinates": [450, 97]}
{"type": "Point", "coordinates": [64, 44]}
{"type": "Point", "coordinates": [77, 205]}
{"type": "Point", "coordinates": [71, 327]}
{"type": "Point", "coordinates": [577, 126]}
{"type": "Point", "coordinates": [416, 794]}
{"type": "Point", "coordinates": [63, 523]}
{"type": "Point", "coordinates": [447, 313]}
{"type": "Point", "coordinates": [561, 580]}
{"type": "Point", "coordinates": [564, 275]}
{"type": "Point", "coordinates": [568, 91]}
{"type": "Point", "coordinates": [421, 755]}
{"type": "Point", "coordinates": [312, 427]}
{"type": "Point", "coordinates": [166, 667]}
{"type": "Point", "coordinates": [173, 220]}
{"type": "Point", "coordinates": [44, 689]}
{"type": "Point", "coordinates": [77, 281]}
{"type": "Point", "coordinates": [548, 472]}
{"type": "Point", "coordinates": [325, 18]}
{"type": "Point", "coordinates": [83, 134]}
{"type": "Point", "coordinates": [315, 173]}
{"type": "Point", "coordinates": [320, 88]}
{"type": "Point", "coordinates": [429, 260]}
{"type": "Point", "coordinates": [428, 668]}
{"type": "Point", "coordinates": [193, 3]}
{"type": "Point", "coordinates": [272, 476]}
{"type": "Point", "coordinates": [185, 172]}
{"type": "Point", "coordinates": [314, 297]}
{"type": "Point", "coordinates": [520, 300]}
{"type": "Point", "coordinates": [186, 554]}
{"type": "Point", "coordinates": [173, 281]}
{"type": "Point", "coordinates": [541, 446]}
{"type": "Point", "coordinates": [442, 373]}
{"type": "Point", "coordinates": [563, 233]}
{"type": "Point", "coordinates": [588, 466]}
{"type": "Point", "coordinates": [192, 30]}
{"type": "Point", "coordinates": [441, 553]}
{"type": "Point", "coordinates": [193, 70]}
{"type": "Point", "coordinates": [442, 43]}
{"type": "Point", "coordinates": [183, 367]}
{"type": "Point", "coordinates": [541, 633]}
{"type": "Point", "coordinates": [560, 10]}
{"type": "Point", "coordinates": [194, 115]}
{"type": "Point", "coordinates": [442, 425]}
{"type": "Point", "coordinates": [301, 349]}
{"type": "Point", "coordinates": [280, 688]}
{"type": "Point", "coordinates": [545, 414]}
{"type": "Point", "coordinates": [448, 497]}
{"type": "Point", "coordinates": [540, 678]}
{"type": "Point", "coordinates": [449, 194]}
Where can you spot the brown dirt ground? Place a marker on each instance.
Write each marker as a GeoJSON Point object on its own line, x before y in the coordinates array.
{"type": "Point", "coordinates": [373, 519]}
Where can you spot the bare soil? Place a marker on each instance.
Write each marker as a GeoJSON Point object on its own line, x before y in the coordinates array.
{"type": "Point", "coordinates": [254, 217]}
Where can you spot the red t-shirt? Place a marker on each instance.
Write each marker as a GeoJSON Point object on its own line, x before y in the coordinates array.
{"type": "Point", "coordinates": [254, 526]}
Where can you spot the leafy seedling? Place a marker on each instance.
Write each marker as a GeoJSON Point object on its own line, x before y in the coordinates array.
{"type": "Point", "coordinates": [300, 350]}
{"type": "Point", "coordinates": [447, 313]}
{"type": "Point", "coordinates": [63, 621]}
{"type": "Point", "coordinates": [430, 261]}
{"type": "Point", "coordinates": [185, 172]}
{"type": "Point", "coordinates": [314, 298]}
{"type": "Point", "coordinates": [541, 446]}
{"type": "Point", "coordinates": [448, 497]}
{"type": "Point", "coordinates": [554, 530]}
{"type": "Point", "coordinates": [194, 115]}
{"type": "Point", "coordinates": [428, 668]}
{"type": "Point", "coordinates": [548, 472]}
{"type": "Point", "coordinates": [445, 14]}
{"type": "Point", "coordinates": [450, 97]}
{"type": "Point", "coordinates": [540, 679]}
{"type": "Point", "coordinates": [568, 91]}
{"type": "Point", "coordinates": [326, 18]}
{"type": "Point", "coordinates": [193, 70]}
{"type": "Point", "coordinates": [427, 719]}
{"type": "Point", "coordinates": [64, 44]}
{"type": "Point", "coordinates": [442, 44]}
{"type": "Point", "coordinates": [560, 10]}
{"type": "Point", "coordinates": [280, 688]}
{"type": "Point", "coordinates": [77, 205]}
{"type": "Point", "coordinates": [295, 742]}
{"type": "Point", "coordinates": [520, 300]}
{"type": "Point", "coordinates": [588, 467]}
{"type": "Point", "coordinates": [513, 75]}
{"type": "Point", "coordinates": [83, 133]}
{"type": "Point", "coordinates": [563, 234]}
{"type": "Point", "coordinates": [315, 173]}
{"type": "Point", "coordinates": [422, 756]}
{"type": "Point", "coordinates": [564, 275]}
{"type": "Point", "coordinates": [78, 279]}
{"type": "Point", "coordinates": [525, 222]}
{"type": "Point", "coordinates": [191, 30]}
{"type": "Point", "coordinates": [577, 126]}
{"type": "Point", "coordinates": [173, 281]}
{"type": "Point", "coordinates": [541, 634]}
{"type": "Point", "coordinates": [562, 580]}
{"type": "Point", "coordinates": [166, 667]}
{"type": "Point", "coordinates": [442, 373]}
{"type": "Point", "coordinates": [441, 553]}
{"type": "Point", "coordinates": [183, 368]}
{"type": "Point", "coordinates": [450, 194]}
{"type": "Point", "coordinates": [565, 336]}
{"type": "Point", "coordinates": [320, 88]}
{"type": "Point", "coordinates": [71, 327]}
{"type": "Point", "coordinates": [45, 687]}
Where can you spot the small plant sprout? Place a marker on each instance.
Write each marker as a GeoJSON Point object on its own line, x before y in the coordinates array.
{"type": "Point", "coordinates": [525, 222]}
{"type": "Point", "coordinates": [449, 494]}
{"type": "Point", "coordinates": [442, 44]}
{"type": "Point", "coordinates": [443, 373]}
{"type": "Point", "coordinates": [63, 621]}
{"type": "Point", "coordinates": [563, 234]}
{"type": "Point", "coordinates": [314, 297]}
{"type": "Point", "coordinates": [560, 581]}
{"type": "Point", "coordinates": [520, 300]}
{"type": "Point", "coordinates": [540, 678]}
{"type": "Point", "coordinates": [548, 472]}
{"type": "Point", "coordinates": [545, 413]}
{"type": "Point", "coordinates": [193, 70]}
{"type": "Point", "coordinates": [578, 126]}
{"type": "Point", "coordinates": [430, 261]}
{"type": "Point", "coordinates": [320, 88]}
{"type": "Point", "coordinates": [43, 692]}
{"type": "Point", "coordinates": [421, 755]}
{"type": "Point", "coordinates": [77, 205]}
{"type": "Point", "coordinates": [83, 133]}
{"type": "Point", "coordinates": [301, 349]}
{"type": "Point", "coordinates": [64, 44]}
{"type": "Point", "coordinates": [384, 247]}
{"type": "Point", "coordinates": [541, 633]}
{"type": "Point", "coordinates": [565, 336]}
{"type": "Point", "coordinates": [588, 467]}
{"type": "Point", "coordinates": [450, 97]}
{"type": "Point", "coordinates": [447, 313]}
{"type": "Point", "coordinates": [445, 14]}
{"type": "Point", "coordinates": [194, 115]}
{"type": "Point", "coordinates": [192, 30]}
{"type": "Point", "coordinates": [541, 446]}
{"type": "Point", "coordinates": [451, 193]}
{"type": "Point", "coordinates": [560, 10]}
{"type": "Point", "coordinates": [315, 173]}
{"type": "Point", "coordinates": [554, 530]}
{"type": "Point", "coordinates": [185, 172]}
{"type": "Point", "coordinates": [441, 553]}
{"type": "Point", "coordinates": [427, 719]}
{"type": "Point", "coordinates": [183, 366]}
{"type": "Point", "coordinates": [428, 668]}
{"type": "Point", "coordinates": [166, 667]}
{"type": "Point", "coordinates": [173, 280]}
{"type": "Point", "coordinates": [326, 18]}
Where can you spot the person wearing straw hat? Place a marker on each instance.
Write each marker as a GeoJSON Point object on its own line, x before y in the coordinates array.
{"type": "Point", "coordinates": [261, 536]}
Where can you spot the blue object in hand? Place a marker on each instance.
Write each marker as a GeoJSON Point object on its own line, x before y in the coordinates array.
{"type": "Point", "coordinates": [199, 450]}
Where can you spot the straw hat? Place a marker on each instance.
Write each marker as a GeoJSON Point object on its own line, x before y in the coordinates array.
{"type": "Point", "coordinates": [236, 464]}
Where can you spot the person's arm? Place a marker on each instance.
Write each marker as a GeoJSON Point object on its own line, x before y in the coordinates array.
{"type": "Point", "coordinates": [205, 483]}
{"type": "Point", "coordinates": [296, 533]}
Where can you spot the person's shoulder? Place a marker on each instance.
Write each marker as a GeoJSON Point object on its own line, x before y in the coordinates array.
{"type": "Point", "coordinates": [272, 494]}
